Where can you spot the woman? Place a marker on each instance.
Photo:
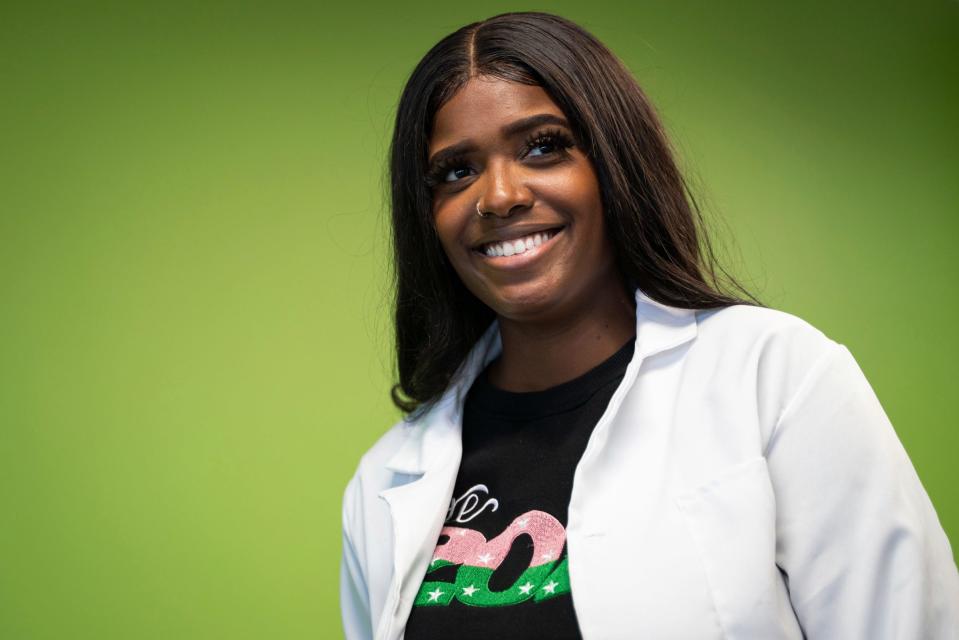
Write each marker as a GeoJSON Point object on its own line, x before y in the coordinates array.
{"type": "Point", "coordinates": [599, 442]}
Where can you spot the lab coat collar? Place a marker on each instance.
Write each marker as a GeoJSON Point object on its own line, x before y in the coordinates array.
{"type": "Point", "coordinates": [444, 419]}
{"type": "Point", "coordinates": [658, 327]}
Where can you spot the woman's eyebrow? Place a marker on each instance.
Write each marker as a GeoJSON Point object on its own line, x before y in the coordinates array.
{"type": "Point", "coordinates": [513, 128]}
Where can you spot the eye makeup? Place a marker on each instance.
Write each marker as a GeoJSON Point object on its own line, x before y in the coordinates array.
{"type": "Point", "coordinates": [556, 139]}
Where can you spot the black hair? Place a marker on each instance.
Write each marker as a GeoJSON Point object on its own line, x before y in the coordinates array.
{"type": "Point", "coordinates": [654, 223]}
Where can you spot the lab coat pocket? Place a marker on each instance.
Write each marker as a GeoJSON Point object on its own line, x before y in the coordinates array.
{"type": "Point", "coordinates": [732, 522]}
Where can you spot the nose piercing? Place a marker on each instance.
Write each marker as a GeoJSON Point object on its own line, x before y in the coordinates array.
{"type": "Point", "coordinates": [480, 213]}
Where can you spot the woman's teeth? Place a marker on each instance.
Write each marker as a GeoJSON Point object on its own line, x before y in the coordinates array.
{"type": "Point", "coordinates": [520, 245]}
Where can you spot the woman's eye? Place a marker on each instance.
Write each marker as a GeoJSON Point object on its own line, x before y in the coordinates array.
{"type": "Point", "coordinates": [456, 173]}
{"type": "Point", "coordinates": [446, 173]}
{"type": "Point", "coordinates": [546, 147]}
{"type": "Point", "coordinates": [547, 143]}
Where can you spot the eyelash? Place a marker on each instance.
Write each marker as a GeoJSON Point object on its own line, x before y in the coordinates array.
{"type": "Point", "coordinates": [436, 174]}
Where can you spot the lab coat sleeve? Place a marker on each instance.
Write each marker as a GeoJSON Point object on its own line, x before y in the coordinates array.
{"type": "Point", "coordinates": [354, 595]}
{"type": "Point", "coordinates": [859, 541]}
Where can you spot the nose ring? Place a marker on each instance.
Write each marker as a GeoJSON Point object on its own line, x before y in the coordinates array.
{"type": "Point", "coordinates": [480, 213]}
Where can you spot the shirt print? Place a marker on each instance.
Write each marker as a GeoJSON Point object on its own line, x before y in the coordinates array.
{"type": "Point", "coordinates": [546, 575]}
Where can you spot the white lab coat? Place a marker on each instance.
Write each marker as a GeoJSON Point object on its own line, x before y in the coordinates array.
{"type": "Point", "coordinates": [744, 482]}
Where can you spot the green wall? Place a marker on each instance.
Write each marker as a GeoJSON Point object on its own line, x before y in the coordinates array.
{"type": "Point", "coordinates": [195, 329]}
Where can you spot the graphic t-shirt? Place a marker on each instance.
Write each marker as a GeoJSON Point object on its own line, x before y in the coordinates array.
{"type": "Point", "coordinates": [499, 569]}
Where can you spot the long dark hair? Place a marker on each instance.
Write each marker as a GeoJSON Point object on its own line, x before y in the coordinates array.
{"type": "Point", "coordinates": [654, 223]}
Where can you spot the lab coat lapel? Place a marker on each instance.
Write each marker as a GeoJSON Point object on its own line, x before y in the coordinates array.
{"type": "Point", "coordinates": [418, 510]}
{"type": "Point", "coordinates": [660, 327]}
{"type": "Point", "coordinates": [432, 451]}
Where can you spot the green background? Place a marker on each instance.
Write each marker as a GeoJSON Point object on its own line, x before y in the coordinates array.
{"type": "Point", "coordinates": [195, 324]}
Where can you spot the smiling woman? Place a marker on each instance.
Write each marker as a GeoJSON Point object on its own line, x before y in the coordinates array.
{"type": "Point", "coordinates": [601, 441]}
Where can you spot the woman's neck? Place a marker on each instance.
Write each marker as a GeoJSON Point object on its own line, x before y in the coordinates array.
{"type": "Point", "coordinates": [538, 356]}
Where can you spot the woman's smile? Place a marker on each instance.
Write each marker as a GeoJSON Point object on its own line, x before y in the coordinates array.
{"type": "Point", "coordinates": [518, 248]}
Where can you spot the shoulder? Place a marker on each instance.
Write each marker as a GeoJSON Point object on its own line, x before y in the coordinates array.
{"type": "Point", "coordinates": [763, 358]}
{"type": "Point", "coordinates": [754, 322]}
{"type": "Point", "coordinates": [372, 473]}
{"type": "Point", "coordinates": [762, 335]}
{"type": "Point", "coordinates": [386, 446]}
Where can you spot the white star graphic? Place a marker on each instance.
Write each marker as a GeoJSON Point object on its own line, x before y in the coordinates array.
{"type": "Point", "coordinates": [485, 558]}
{"type": "Point", "coordinates": [522, 523]}
{"type": "Point", "coordinates": [551, 587]}
{"type": "Point", "coordinates": [525, 588]}
{"type": "Point", "coordinates": [435, 595]}
{"type": "Point", "coordinates": [470, 590]}
{"type": "Point", "coordinates": [547, 556]}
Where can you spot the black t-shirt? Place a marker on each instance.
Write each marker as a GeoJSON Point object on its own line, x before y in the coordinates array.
{"type": "Point", "coordinates": [499, 569]}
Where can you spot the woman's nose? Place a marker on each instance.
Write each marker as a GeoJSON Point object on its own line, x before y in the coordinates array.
{"type": "Point", "coordinates": [504, 189]}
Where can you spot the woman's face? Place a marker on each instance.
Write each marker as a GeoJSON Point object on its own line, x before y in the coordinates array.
{"type": "Point", "coordinates": [541, 251]}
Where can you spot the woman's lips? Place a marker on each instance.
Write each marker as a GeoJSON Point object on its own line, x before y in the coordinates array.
{"type": "Point", "coordinates": [519, 251]}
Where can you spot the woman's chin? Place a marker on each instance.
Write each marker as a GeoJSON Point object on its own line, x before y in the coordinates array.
{"type": "Point", "coordinates": [527, 304]}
